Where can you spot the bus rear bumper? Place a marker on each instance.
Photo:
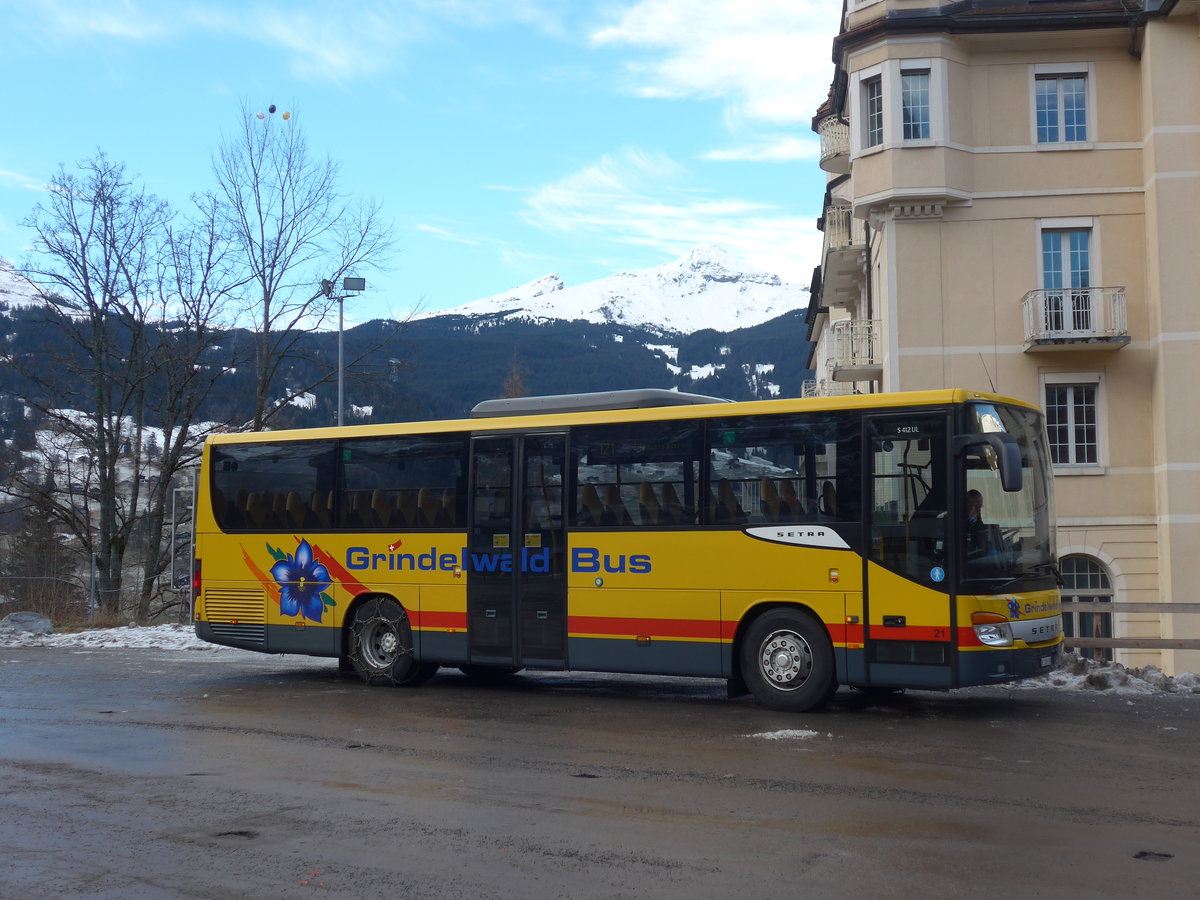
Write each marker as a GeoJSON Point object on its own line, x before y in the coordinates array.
{"type": "Point", "coordinates": [992, 666]}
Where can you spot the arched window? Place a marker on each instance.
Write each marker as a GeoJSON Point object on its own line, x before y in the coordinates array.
{"type": "Point", "coordinates": [1086, 579]}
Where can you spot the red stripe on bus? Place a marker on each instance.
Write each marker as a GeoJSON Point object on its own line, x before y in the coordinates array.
{"type": "Point", "coordinates": [436, 619]}
{"type": "Point", "coordinates": [911, 633]}
{"type": "Point", "coordinates": [684, 628]}
{"type": "Point", "coordinates": [348, 581]}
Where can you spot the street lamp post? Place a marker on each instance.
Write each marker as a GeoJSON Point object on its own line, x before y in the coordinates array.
{"type": "Point", "coordinates": [349, 286]}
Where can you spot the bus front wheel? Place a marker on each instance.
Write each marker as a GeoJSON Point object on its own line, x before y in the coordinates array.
{"type": "Point", "coordinates": [381, 645]}
{"type": "Point", "coordinates": [787, 661]}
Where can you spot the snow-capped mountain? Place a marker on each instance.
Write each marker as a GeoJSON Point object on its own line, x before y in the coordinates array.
{"type": "Point", "coordinates": [14, 290]}
{"type": "Point", "coordinates": [705, 289]}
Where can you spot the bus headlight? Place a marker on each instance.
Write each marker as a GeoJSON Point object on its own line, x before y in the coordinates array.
{"type": "Point", "coordinates": [992, 629]}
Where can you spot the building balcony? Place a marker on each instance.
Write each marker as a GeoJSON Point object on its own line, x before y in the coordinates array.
{"type": "Point", "coordinates": [1075, 319]}
{"type": "Point", "coordinates": [856, 355]}
{"type": "Point", "coordinates": [843, 273]}
{"type": "Point", "coordinates": [823, 387]}
{"type": "Point", "coordinates": [835, 145]}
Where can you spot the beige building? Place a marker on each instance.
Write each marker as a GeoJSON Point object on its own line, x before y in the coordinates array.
{"type": "Point", "coordinates": [1014, 202]}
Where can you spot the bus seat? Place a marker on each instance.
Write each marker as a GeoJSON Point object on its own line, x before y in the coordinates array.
{"type": "Point", "coordinates": [673, 512]}
{"type": "Point", "coordinates": [381, 509]}
{"type": "Point", "coordinates": [360, 510]}
{"type": "Point", "coordinates": [591, 510]}
{"type": "Point", "coordinates": [406, 509]}
{"type": "Point", "coordinates": [728, 508]}
{"type": "Point", "coordinates": [829, 499]}
{"type": "Point", "coordinates": [614, 506]}
{"type": "Point", "coordinates": [450, 507]}
{"type": "Point", "coordinates": [789, 501]}
{"type": "Point", "coordinates": [768, 494]}
{"type": "Point", "coordinates": [296, 511]}
{"type": "Point", "coordinates": [430, 507]}
{"type": "Point", "coordinates": [256, 510]}
{"type": "Point", "coordinates": [318, 504]}
{"type": "Point", "coordinates": [651, 509]}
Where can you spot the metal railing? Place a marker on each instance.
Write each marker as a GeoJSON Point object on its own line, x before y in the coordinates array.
{"type": "Point", "coordinates": [839, 229]}
{"type": "Point", "coordinates": [855, 343]}
{"type": "Point", "coordinates": [822, 387]}
{"type": "Point", "coordinates": [834, 132]}
{"type": "Point", "coordinates": [1069, 315]}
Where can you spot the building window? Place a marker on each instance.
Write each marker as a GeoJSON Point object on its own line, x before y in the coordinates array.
{"type": "Point", "coordinates": [873, 107]}
{"type": "Point", "coordinates": [1066, 278]}
{"type": "Point", "coordinates": [1072, 424]}
{"type": "Point", "coordinates": [1086, 580]}
{"type": "Point", "coordinates": [1061, 108]}
{"type": "Point", "coordinates": [914, 105]}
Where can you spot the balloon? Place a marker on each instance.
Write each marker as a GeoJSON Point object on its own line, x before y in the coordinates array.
{"type": "Point", "coordinates": [286, 115]}
{"type": "Point", "coordinates": [260, 114]}
{"type": "Point", "coordinates": [271, 109]}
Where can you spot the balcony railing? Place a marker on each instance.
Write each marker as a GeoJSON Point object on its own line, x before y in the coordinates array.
{"type": "Point", "coordinates": [855, 354]}
{"type": "Point", "coordinates": [1075, 319]}
{"type": "Point", "coordinates": [823, 387]}
{"type": "Point", "coordinates": [835, 144]}
{"type": "Point", "coordinates": [839, 229]}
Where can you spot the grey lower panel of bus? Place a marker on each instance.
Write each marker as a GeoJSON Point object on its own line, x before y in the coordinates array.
{"type": "Point", "coordinates": [1004, 665]}
{"type": "Point", "coordinates": [703, 660]}
{"type": "Point", "coordinates": [310, 640]}
{"type": "Point", "coordinates": [448, 649]}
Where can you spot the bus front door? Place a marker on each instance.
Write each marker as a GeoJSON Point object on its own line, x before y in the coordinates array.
{"type": "Point", "coordinates": [910, 609]}
{"type": "Point", "coordinates": [516, 577]}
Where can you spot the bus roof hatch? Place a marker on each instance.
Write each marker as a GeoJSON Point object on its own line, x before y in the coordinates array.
{"type": "Point", "coordinates": [640, 398]}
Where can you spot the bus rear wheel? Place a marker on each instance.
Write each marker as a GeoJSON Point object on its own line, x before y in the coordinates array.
{"type": "Point", "coordinates": [787, 661]}
{"type": "Point", "coordinates": [381, 645]}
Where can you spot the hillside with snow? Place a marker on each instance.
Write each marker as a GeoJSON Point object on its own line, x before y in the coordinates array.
{"type": "Point", "coordinates": [705, 289]}
{"type": "Point", "coordinates": [14, 290]}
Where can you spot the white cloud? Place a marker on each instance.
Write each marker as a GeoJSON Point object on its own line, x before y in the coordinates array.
{"type": "Point", "coordinates": [644, 199]}
{"type": "Point", "coordinates": [17, 180]}
{"type": "Point", "coordinates": [782, 149]}
{"type": "Point", "coordinates": [771, 59]}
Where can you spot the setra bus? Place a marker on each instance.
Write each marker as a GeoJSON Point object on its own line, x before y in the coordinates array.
{"type": "Point", "coordinates": [787, 546]}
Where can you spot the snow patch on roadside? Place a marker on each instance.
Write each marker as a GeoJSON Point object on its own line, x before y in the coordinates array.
{"type": "Point", "coordinates": [787, 734]}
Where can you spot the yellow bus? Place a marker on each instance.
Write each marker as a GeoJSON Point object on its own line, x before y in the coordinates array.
{"type": "Point", "coordinates": [787, 546]}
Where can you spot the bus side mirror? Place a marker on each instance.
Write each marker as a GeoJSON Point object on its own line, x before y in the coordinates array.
{"type": "Point", "coordinates": [1008, 455]}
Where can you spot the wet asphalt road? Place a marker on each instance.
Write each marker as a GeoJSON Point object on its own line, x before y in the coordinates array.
{"type": "Point", "coordinates": [140, 773]}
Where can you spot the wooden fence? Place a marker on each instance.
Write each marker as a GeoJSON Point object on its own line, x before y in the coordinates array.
{"type": "Point", "coordinates": [1132, 643]}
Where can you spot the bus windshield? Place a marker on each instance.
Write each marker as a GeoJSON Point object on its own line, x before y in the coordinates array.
{"type": "Point", "coordinates": [1006, 535]}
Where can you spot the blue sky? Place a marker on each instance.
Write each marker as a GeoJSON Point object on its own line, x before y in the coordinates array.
{"type": "Point", "coordinates": [505, 139]}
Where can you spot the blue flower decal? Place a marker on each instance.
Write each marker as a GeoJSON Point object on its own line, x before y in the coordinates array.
{"type": "Point", "coordinates": [302, 580]}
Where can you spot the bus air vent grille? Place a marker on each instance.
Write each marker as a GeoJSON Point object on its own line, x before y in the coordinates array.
{"type": "Point", "coordinates": [242, 634]}
{"type": "Point", "coordinates": [237, 607]}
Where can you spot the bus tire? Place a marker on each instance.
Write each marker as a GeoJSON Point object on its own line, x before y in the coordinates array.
{"type": "Point", "coordinates": [381, 645]}
{"type": "Point", "coordinates": [787, 661]}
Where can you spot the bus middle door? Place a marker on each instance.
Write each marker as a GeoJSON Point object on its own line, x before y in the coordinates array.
{"type": "Point", "coordinates": [516, 576]}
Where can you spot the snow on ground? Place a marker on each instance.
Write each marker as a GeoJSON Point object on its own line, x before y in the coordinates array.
{"type": "Point", "coordinates": [1075, 674]}
{"type": "Point", "coordinates": [152, 637]}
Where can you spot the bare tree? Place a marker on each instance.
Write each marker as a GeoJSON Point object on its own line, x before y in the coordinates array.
{"type": "Point", "coordinates": [191, 295]}
{"type": "Point", "coordinates": [293, 232]}
{"type": "Point", "coordinates": [133, 297]}
{"type": "Point", "coordinates": [96, 243]}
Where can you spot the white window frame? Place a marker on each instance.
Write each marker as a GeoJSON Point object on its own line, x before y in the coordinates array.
{"type": "Point", "coordinates": [889, 74]}
{"type": "Point", "coordinates": [1095, 379]}
{"type": "Point", "coordinates": [1059, 70]}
